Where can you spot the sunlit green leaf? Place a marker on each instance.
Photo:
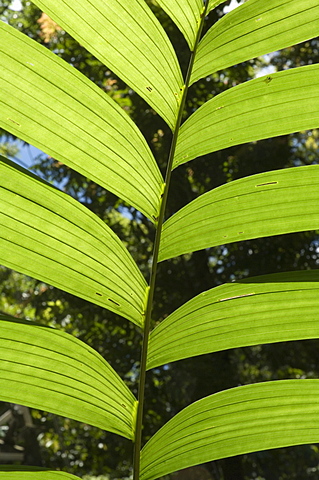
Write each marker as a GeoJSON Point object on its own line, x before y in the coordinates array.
{"type": "Point", "coordinates": [271, 203]}
{"type": "Point", "coordinates": [49, 104]}
{"type": "Point", "coordinates": [253, 29]}
{"type": "Point", "coordinates": [50, 370]}
{"type": "Point", "coordinates": [128, 39]}
{"type": "Point", "coordinates": [268, 106]}
{"type": "Point", "coordinates": [213, 4]}
{"type": "Point", "coordinates": [233, 422]}
{"type": "Point", "coordinates": [265, 309]}
{"type": "Point", "coordinates": [186, 15]}
{"type": "Point", "coordinates": [17, 472]}
{"type": "Point", "coordinates": [50, 236]}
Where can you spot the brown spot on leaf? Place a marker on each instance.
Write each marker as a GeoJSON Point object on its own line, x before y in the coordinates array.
{"type": "Point", "coordinates": [113, 301]}
{"type": "Point", "coordinates": [13, 121]}
{"type": "Point", "coordinates": [266, 183]}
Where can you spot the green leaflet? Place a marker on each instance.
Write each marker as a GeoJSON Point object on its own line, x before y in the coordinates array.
{"type": "Point", "coordinates": [128, 39]}
{"type": "Point", "coordinates": [49, 104]}
{"type": "Point", "coordinates": [47, 235]}
{"type": "Point", "coordinates": [48, 369]}
{"type": "Point", "coordinates": [233, 422]}
{"type": "Point", "coordinates": [265, 309]}
{"type": "Point", "coordinates": [255, 28]}
{"type": "Point", "coordinates": [268, 106]}
{"type": "Point", "coordinates": [213, 4]}
{"type": "Point", "coordinates": [50, 236]}
{"type": "Point", "coordinates": [271, 203]}
{"type": "Point", "coordinates": [186, 15]}
{"type": "Point", "coordinates": [15, 472]}
{"type": "Point", "coordinates": [36, 475]}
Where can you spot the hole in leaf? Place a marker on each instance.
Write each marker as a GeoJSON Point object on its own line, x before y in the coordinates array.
{"type": "Point", "coordinates": [236, 296]}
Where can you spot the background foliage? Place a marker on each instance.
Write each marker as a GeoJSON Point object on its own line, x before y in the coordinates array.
{"type": "Point", "coordinates": [84, 449]}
